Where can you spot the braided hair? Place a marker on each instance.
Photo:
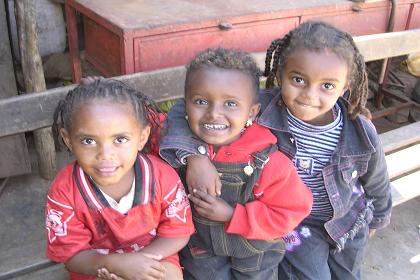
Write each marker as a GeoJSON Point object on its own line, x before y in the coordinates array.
{"type": "Point", "coordinates": [228, 59]}
{"type": "Point", "coordinates": [317, 36]}
{"type": "Point", "coordinates": [145, 110]}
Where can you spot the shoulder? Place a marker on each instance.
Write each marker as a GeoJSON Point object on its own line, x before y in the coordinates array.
{"type": "Point", "coordinates": [368, 128]}
{"type": "Point", "coordinates": [160, 165]}
{"type": "Point", "coordinates": [61, 192]}
{"type": "Point", "coordinates": [266, 95]}
{"type": "Point", "coordinates": [163, 173]}
{"type": "Point", "coordinates": [64, 178]}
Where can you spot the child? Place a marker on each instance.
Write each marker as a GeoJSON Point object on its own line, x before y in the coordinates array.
{"type": "Point", "coordinates": [115, 211]}
{"type": "Point", "coordinates": [321, 123]}
{"type": "Point", "coordinates": [262, 198]}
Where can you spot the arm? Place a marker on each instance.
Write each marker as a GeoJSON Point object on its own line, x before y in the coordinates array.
{"type": "Point", "coordinates": [127, 265]}
{"type": "Point", "coordinates": [377, 186]}
{"type": "Point", "coordinates": [179, 146]}
{"type": "Point", "coordinates": [179, 141]}
{"type": "Point", "coordinates": [282, 202]}
{"type": "Point", "coordinates": [165, 247]}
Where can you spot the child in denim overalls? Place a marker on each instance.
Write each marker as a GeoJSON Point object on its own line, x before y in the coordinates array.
{"type": "Point", "coordinates": [319, 117]}
{"type": "Point", "coordinates": [238, 234]}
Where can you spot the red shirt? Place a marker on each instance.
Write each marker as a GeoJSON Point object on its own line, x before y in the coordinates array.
{"type": "Point", "coordinates": [282, 199]}
{"type": "Point", "coordinates": [78, 217]}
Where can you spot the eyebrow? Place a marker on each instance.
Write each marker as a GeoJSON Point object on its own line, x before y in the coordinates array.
{"type": "Point", "coordinates": [324, 79]}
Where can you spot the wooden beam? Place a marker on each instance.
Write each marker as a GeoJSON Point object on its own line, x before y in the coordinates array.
{"type": "Point", "coordinates": [32, 111]}
{"type": "Point", "coordinates": [400, 138]}
{"type": "Point", "coordinates": [26, 113]}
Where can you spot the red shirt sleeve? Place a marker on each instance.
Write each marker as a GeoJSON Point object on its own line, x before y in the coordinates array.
{"type": "Point", "coordinates": [282, 202]}
{"type": "Point", "coordinates": [176, 217]}
{"type": "Point", "coordinates": [66, 235]}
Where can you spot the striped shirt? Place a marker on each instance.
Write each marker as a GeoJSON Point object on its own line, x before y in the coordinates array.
{"type": "Point", "coordinates": [315, 145]}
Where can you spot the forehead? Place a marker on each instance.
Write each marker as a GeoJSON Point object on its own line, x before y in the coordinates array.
{"type": "Point", "coordinates": [213, 79]}
{"type": "Point", "coordinates": [103, 114]}
{"type": "Point", "coordinates": [323, 63]}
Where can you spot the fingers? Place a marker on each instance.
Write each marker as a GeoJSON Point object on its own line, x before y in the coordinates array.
{"type": "Point", "coordinates": [158, 271]}
{"type": "Point", "coordinates": [218, 187]}
{"type": "Point", "coordinates": [201, 198]}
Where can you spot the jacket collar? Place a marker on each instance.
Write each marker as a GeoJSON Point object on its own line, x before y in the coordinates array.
{"type": "Point", "coordinates": [354, 140]}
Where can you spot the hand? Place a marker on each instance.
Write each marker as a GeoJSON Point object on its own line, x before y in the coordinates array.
{"type": "Point", "coordinates": [90, 79]}
{"type": "Point", "coordinates": [211, 207]}
{"type": "Point", "coordinates": [104, 274]}
{"type": "Point", "coordinates": [202, 175]}
{"type": "Point", "coordinates": [372, 232]}
{"type": "Point", "coordinates": [136, 266]}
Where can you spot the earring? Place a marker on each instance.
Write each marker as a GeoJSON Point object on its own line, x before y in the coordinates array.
{"type": "Point", "coordinates": [248, 123]}
{"type": "Point", "coordinates": [186, 117]}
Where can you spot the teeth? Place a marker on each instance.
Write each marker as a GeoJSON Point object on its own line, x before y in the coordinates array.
{"type": "Point", "coordinates": [215, 126]}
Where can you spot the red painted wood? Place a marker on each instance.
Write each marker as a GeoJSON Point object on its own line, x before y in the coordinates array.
{"type": "Point", "coordinates": [176, 49]}
{"type": "Point", "coordinates": [73, 42]}
{"type": "Point", "coordinates": [415, 17]}
{"type": "Point", "coordinates": [123, 37]}
{"type": "Point", "coordinates": [102, 48]}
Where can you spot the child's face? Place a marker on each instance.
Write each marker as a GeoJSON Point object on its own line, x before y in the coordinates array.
{"type": "Point", "coordinates": [105, 139]}
{"type": "Point", "coordinates": [311, 83]}
{"type": "Point", "coordinates": [218, 104]}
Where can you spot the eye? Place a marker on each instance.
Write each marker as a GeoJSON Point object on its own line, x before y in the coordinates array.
{"type": "Point", "coordinates": [231, 104]}
{"type": "Point", "coordinates": [200, 102]}
{"type": "Point", "coordinates": [298, 80]}
{"type": "Point", "coordinates": [121, 140]}
{"type": "Point", "coordinates": [328, 86]}
{"type": "Point", "coordinates": [88, 141]}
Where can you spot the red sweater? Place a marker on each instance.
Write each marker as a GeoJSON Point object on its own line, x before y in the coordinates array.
{"type": "Point", "coordinates": [282, 199]}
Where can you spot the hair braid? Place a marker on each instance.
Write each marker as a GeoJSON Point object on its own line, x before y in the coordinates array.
{"type": "Point", "coordinates": [275, 51]}
{"type": "Point", "coordinates": [358, 84]}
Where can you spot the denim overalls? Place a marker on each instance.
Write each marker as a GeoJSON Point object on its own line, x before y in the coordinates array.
{"type": "Point", "coordinates": [214, 254]}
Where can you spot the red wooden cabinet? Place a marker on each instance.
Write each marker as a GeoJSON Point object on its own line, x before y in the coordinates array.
{"type": "Point", "coordinates": [123, 37]}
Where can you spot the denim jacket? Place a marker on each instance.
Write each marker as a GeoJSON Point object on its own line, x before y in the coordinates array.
{"type": "Point", "coordinates": [356, 178]}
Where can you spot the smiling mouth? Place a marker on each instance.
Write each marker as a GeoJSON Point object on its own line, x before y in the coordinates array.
{"type": "Point", "coordinates": [214, 126]}
{"type": "Point", "coordinates": [106, 171]}
{"type": "Point", "coordinates": [306, 105]}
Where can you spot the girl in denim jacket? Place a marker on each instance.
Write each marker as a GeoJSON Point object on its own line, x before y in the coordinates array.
{"type": "Point", "coordinates": [319, 116]}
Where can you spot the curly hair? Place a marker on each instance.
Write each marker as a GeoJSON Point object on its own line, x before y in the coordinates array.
{"type": "Point", "coordinates": [228, 59]}
{"type": "Point", "coordinates": [318, 36]}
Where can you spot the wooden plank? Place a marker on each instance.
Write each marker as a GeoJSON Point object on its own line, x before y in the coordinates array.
{"type": "Point", "coordinates": [18, 114]}
{"type": "Point", "coordinates": [32, 111]}
{"type": "Point", "coordinates": [405, 188]}
{"type": "Point", "coordinates": [383, 45]}
{"type": "Point", "coordinates": [400, 137]}
{"type": "Point", "coordinates": [403, 162]}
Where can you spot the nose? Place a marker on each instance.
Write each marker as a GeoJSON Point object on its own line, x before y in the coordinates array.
{"type": "Point", "coordinates": [105, 152]}
{"type": "Point", "coordinates": [310, 92]}
{"type": "Point", "coordinates": [214, 111]}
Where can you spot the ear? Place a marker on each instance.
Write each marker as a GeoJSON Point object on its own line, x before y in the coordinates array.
{"type": "Point", "coordinates": [144, 136]}
{"type": "Point", "coordinates": [66, 138]}
{"type": "Point", "coordinates": [254, 110]}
